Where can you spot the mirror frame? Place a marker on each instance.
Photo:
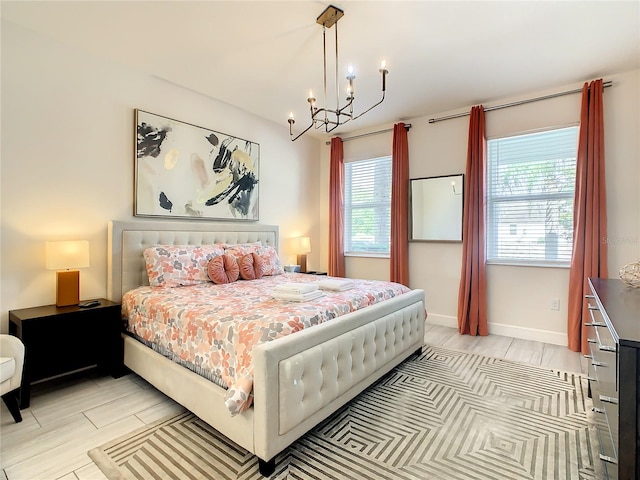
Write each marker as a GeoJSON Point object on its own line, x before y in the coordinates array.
{"type": "Point", "coordinates": [424, 180]}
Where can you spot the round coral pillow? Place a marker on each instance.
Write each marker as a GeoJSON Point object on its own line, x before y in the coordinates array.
{"type": "Point", "coordinates": [251, 266]}
{"type": "Point", "coordinates": [223, 269]}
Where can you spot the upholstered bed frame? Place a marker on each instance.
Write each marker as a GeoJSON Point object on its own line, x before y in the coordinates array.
{"type": "Point", "coordinates": [299, 379]}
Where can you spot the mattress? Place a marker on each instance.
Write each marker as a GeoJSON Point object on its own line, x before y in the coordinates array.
{"type": "Point", "coordinates": [214, 328]}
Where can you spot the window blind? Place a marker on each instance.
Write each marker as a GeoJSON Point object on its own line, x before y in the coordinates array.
{"type": "Point", "coordinates": [367, 210]}
{"type": "Point", "coordinates": [530, 194]}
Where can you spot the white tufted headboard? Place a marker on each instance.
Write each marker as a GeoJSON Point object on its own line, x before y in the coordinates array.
{"type": "Point", "coordinates": [127, 240]}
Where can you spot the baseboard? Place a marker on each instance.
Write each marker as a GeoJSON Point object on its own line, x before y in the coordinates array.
{"type": "Point", "coordinates": [443, 320]}
{"type": "Point", "coordinates": [525, 333]}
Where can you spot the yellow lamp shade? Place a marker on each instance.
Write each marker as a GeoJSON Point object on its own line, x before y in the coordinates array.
{"type": "Point", "coordinates": [301, 245]}
{"type": "Point", "coordinates": [65, 255]}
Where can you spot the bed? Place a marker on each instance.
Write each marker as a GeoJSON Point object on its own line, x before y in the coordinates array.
{"type": "Point", "coordinates": [318, 369]}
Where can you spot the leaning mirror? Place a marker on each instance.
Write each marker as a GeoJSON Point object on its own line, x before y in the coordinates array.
{"type": "Point", "coordinates": [436, 208]}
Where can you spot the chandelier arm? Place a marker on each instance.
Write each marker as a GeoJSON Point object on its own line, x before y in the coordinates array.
{"type": "Point", "coordinates": [370, 108]}
{"type": "Point", "coordinates": [335, 125]}
{"type": "Point", "coordinates": [301, 133]}
{"type": "Point", "coordinates": [348, 104]}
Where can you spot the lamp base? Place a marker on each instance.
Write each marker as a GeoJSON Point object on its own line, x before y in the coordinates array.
{"type": "Point", "coordinates": [302, 261]}
{"type": "Point", "coordinates": [67, 288]}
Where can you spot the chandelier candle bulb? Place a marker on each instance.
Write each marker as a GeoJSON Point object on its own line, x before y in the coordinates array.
{"type": "Point", "coordinates": [383, 70]}
{"type": "Point", "coordinates": [350, 77]}
{"type": "Point", "coordinates": [291, 122]}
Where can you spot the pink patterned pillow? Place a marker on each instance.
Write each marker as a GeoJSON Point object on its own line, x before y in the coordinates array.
{"type": "Point", "coordinates": [179, 265]}
{"type": "Point", "coordinates": [242, 249]}
{"type": "Point", "coordinates": [272, 265]}
{"type": "Point", "coordinates": [251, 266]}
{"type": "Point", "coordinates": [257, 243]}
{"type": "Point", "coordinates": [223, 269]}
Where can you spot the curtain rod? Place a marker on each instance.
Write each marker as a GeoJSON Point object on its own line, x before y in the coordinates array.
{"type": "Point", "coordinates": [514, 104]}
{"type": "Point", "coordinates": [407, 126]}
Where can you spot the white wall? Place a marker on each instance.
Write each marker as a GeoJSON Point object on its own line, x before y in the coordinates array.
{"type": "Point", "coordinates": [67, 169]}
{"type": "Point", "coordinates": [519, 297]}
{"type": "Point", "coordinates": [67, 160]}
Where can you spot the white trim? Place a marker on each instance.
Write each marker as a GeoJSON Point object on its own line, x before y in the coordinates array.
{"type": "Point", "coordinates": [524, 333]}
{"type": "Point", "coordinates": [443, 320]}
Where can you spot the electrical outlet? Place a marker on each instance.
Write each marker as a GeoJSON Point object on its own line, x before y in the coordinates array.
{"type": "Point", "coordinates": [554, 304]}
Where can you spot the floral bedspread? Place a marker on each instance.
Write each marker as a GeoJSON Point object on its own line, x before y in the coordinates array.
{"type": "Point", "coordinates": [215, 327]}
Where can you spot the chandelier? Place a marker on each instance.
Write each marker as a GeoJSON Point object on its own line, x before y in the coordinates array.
{"type": "Point", "coordinates": [325, 117]}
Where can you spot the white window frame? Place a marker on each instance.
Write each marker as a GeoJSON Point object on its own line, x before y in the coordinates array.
{"type": "Point", "coordinates": [494, 200]}
{"type": "Point", "coordinates": [383, 228]}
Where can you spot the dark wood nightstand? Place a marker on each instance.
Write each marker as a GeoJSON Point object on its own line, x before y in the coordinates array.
{"type": "Point", "coordinates": [60, 340]}
{"type": "Point", "coordinates": [317, 273]}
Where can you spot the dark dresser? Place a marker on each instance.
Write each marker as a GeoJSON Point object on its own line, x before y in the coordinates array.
{"type": "Point", "coordinates": [614, 374]}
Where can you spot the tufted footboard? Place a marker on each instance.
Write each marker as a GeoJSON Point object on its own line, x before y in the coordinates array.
{"type": "Point", "coordinates": [303, 378]}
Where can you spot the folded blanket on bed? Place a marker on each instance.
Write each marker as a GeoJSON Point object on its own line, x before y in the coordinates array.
{"type": "Point", "coordinates": [292, 287]}
{"type": "Point", "coordinates": [336, 285]}
{"type": "Point", "coordinates": [297, 297]}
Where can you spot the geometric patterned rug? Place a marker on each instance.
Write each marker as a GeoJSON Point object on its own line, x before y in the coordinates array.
{"type": "Point", "coordinates": [442, 415]}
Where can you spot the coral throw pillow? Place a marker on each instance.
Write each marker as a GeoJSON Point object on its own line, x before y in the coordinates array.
{"type": "Point", "coordinates": [223, 269]}
{"type": "Point", "coordinates": [251, 266]}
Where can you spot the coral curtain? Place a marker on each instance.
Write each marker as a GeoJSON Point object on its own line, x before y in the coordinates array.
{"type": "Point", "coordinates": [336, 209]}
{"type": "Point", "coordinates": [589, 258]}
{"type": "Point", "coordinates": [472, 295]}
{"type": "Point", "coordinates": [399, 254]}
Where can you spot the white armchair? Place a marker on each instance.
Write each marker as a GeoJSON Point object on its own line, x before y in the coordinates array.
{"type": "Point", "coordinates": [11, 364]}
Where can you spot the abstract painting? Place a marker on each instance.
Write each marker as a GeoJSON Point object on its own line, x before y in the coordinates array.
{"type": "Point", "coordinates": [182, 170]}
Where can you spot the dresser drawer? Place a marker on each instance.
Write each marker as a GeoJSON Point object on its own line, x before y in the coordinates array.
{"type": "Point", "coordinates": [604, 354]}
{"type": "Point", "coordinates": [599, 333]}
{"type": "Point", "coordinates": [608, 450]}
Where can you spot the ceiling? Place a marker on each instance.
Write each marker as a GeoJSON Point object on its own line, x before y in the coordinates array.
{"type": "Point", "coordinates": [264, 56]}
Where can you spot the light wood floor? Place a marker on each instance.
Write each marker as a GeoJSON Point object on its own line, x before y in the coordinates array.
{"type": "Point", "coordinates": [71, 415]}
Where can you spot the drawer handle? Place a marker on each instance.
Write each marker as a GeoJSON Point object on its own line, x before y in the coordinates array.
{"type": "Point", "coordinates": [588, 356]}
{"type": "Point", "coordinates": [604, 398]}
{"type": "Point", "coordinates": [608, 459]}
{"type": "Point", "coordinates": [589, 296]}
{"type": "Point", "coordinates": [591, 340]}
{"type": "Point", "coordinates": [591, 379]}
{"type": "Point", "coordinates": [607, 348]}
{"type": "Point", "coordinates": [598, 364]}
{"type": "Point", "coordinates": [595, 324]}
{"type": "Point", "coordinates": [597, 410]}
{"type": "Point", "coordinates": [593, 307]}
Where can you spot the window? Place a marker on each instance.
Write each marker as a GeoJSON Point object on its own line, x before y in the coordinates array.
{"type": "Point", "coordinates": [530, 190]}
{"type": "Point", "coordinates": [367, 206]}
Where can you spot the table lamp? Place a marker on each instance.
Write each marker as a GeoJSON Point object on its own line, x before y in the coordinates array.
{"type": "Point", "coordinates": [302, 247]}
{"type": "Point", "coordinates": [65, 257]}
